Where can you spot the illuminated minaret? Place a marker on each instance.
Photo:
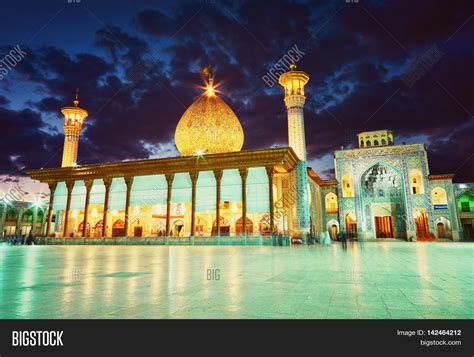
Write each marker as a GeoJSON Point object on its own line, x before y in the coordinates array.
{"type": "Point", "coordinates": [73, 119]}
{"type": "Point", "coordinates": [294, 81]}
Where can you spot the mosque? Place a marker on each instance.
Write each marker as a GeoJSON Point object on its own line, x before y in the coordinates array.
{"type": "Point", "coordinates": [214, 189]}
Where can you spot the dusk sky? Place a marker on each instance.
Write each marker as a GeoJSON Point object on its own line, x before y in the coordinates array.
{"type": "Point", "coordinates": [137, 64]}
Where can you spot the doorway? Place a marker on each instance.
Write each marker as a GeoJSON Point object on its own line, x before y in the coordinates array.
{"type": "Point", "coordinates": [137, 231]}
{"type": "Point", "coordinates": [422, 226]}
{"type": "Point", "coordinates": [384, 226]}
{"type": "Point", "coordinates": [351, 225]}
{"type": "Point", "coordinates": [441, 230]}
{"type": "Point", "coordinates": [118, 228]}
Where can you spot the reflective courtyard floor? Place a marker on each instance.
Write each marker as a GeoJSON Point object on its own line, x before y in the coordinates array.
{"type": "Point", "coordinates": [379, 280]}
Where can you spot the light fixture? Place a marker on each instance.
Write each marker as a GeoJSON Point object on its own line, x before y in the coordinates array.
{"type": "Point", "coordinates": [136, 210]}
{"type": "Point", "coordinates": [233, 208]}
{"type": "Point", "coordinates": [94, 212]}
{"type": "Point", "coordinates": [114, 212]}
{"type": "Point", "coordinates": [74, 214]}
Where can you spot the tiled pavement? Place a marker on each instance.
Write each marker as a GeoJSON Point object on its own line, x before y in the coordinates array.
{"type": "Point", "coordinates": [378, 280]}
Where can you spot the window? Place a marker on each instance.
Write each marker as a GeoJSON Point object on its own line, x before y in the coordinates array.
{"type": "Point", "coordinates": [331, 202]}
{"type": "Point", "coordinates": [416, 182]}
{"type": "Point", "coordinates": [465, 207]}
{"type": "Point", "coordinates": [438, 196]}
{"type": "Point", "coordinates": [367, 143]}
{"type": "Point", "coordinates": [376, 142]}
{"type": "Point", "coordinates": [347, 186]}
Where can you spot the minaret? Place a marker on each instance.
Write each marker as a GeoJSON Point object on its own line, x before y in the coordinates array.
{"type": "Point", "coordinates": [294, 81]}
{"type": "Point", "coordinates": [73, 119]}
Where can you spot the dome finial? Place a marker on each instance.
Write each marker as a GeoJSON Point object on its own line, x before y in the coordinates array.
{"type": "Point", "coordinates": [76, 100]}
{"type": "Point", "coordinates": [207, 73]}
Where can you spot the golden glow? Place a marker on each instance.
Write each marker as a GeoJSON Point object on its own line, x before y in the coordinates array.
{"type": "Point", "coordinates": [347, 185]}
{"type": "Point", "coordinates": [209, 126]}
{"type": "Point", "coordinates": [331, 202]}
{"type": "Point", "coordinates": [94, 212]}
{"type": "Point", "coordinates": [416, 182]}
{"type": "Point", "coordinates": [210, 90]}
{"type": "Point", "coordinates": [439, 196]}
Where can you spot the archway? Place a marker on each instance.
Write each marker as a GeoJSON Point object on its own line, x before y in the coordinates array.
{"type": "Point", "coordinates": [443, 228]}
{"type": "Point", "coordinates": [224, 227]}
{"type": "Point", "coordinates": [422, 225]}
{"type": "Point", "coordinates": [178, 228]}
{"type": "Point", "coordinates": [239, 227]}
{"type": "Point", "coordinates": [333, 228]}
{"type": "Point", "coordinates": [351, 225]}
{"type": "Point", "coordinates": [383, 206]}
{"type": "Point", "coordinates": [201, 227]}
{"type": "Point", "coordinates": [81, 226]}
{"type": "Point", "coordinates": [264, 226]}
{"type": "Point", "coordinates": [118, 228]}
{"type": "Point", "coordinates": [98, 228]}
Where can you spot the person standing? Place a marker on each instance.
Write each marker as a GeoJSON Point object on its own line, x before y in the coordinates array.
{"type": "Point", "coordinates": [344, 240]}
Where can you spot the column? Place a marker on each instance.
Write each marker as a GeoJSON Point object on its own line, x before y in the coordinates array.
{"type": "Point", "coordinates": [52, 188]}
{"type": "Point", "coordinates": [129, 183]}
{"type": "Point", "coordinates": [34, 220]}
{"type": "Point", "coordinates": [169, 181]}
{"type": "Point", "coordinates": [3, 215]}
{"type": "Point", "coordinates": [243, 175]}
{"type": "Point", "coordinates": [43, 223]}
{"type": "Point", "coordinates": [70, 186]}
{"type": "Point", "coordinates": [218, 176]}
{"type": "Point", "coordinates": [107, 184]}
{"type": "Point", "coordinates": [88, 184]}
{"type": "Point", "coordinates": [18, 221]}
{"type": "Point", "coordinates": [194, 176]}
{"type": "Point", "coordinates": [271, 173]}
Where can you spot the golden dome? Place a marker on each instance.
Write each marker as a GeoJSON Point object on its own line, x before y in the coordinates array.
{"type": "Point", "coordinates": [208, 126]}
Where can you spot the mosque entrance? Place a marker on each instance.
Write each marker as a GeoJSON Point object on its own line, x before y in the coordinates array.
{"type": "Point", "coordinates": [422, 225]}
{"type": "Point", "coordinates": [441, 230]}
{"type": "Point", "coordinates": [383, 207]}
{"type": "Point", "coordinates": [384, 227]}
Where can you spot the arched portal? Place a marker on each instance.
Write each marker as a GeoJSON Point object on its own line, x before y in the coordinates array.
{"type": "Point", "coordinates": [224, 226]}
{"type": "Point", "coordinates": [239, 227]}
{"type": "Point", "coordinates": [351, 225]}
{"type": "Point", "coordinates": [118, 228]}
{"type": "Point", "coordinates": [383, 207]}
{"type": "Point", "coordinates": [422, 225]}
{"type": "Point", "coordinates": [178, 228]}
{"type": "Point", "coordinates": [81, 227]}
{"type": "Point", "coordinates": [98, 228]}
{"type": "Point", "coordinates": [333, 228]}
{"type": "Point", "coordinates": [443, 228]}
{"type": "Point", "coordinates": [264, 226]}
{"type": "Point", "coordinates": [201, 227]}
